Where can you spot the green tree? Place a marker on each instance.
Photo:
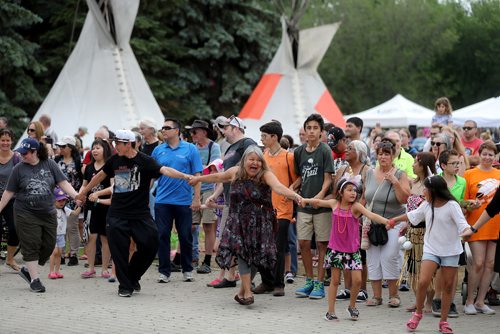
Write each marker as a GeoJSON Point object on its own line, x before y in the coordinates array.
{"type": "Point", "coordinates": [18, 64]}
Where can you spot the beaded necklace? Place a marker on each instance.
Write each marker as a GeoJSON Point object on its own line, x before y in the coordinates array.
{"type": "Point", "coordinates": [345, 219]}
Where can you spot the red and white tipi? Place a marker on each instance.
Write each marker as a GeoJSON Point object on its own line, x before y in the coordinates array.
{"type": "Point", "coordinates": [290, 93]}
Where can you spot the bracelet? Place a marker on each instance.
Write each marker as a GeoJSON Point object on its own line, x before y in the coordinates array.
{"type": "Point", "coordinates": [97, 201]}
{"type": "Point", "coordinates": [473, 229]}
{"type": "Point", "coordinates": [391, 223]}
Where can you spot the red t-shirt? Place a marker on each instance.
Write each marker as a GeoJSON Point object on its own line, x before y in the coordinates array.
{"type": "Point", "coordinates": [472, 147]}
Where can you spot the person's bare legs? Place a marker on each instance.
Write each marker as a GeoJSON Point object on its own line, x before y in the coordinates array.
{"type": "Point", "coordinates": [332, 290]}
{"type": "Point", "coordinates": [106, 254]}
{"type": "Point", "coordinates": [448, 277]}
{"type": "Point", "coordinates": [478, 249]}
{"type": "Point", "coordinates": [322, 247]}
{"type": "Point", "coordinates": [485, 279]}
{"type": "Point", "coordinates": [91, 251]}
{"type": "Point", "coordinates": [305, 250]}
{"type": "Point", "coordinates": [11, 250]}
{"type": "Point", "coordinates": [209, 230]}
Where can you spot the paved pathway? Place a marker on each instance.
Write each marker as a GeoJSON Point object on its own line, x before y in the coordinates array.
{"type": "Point", "coordinates": [75, 305]}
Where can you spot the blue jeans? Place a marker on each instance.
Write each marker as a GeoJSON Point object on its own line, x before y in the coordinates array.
{"type": "Point", "coordinates": [196, 250]}
{"type": "Point", "coordinates": [165, 216]}
{"type": "Point", "coordinates": [292, 246]}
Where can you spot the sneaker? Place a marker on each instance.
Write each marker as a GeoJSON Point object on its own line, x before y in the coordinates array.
{"type": "Point", "coordinates": [436, 307]}
{"type": "Point", "coordinates": [305, 291]}
{"type": "Point", "coordinates": [25, 274]}
{"type": "Point", "coordinates": [452, 313]}
{"type": "Point", "coordinates": [385, 284]}
{"type": "Point", "coordinates": [204, 269]}
{"type": "Point", "coordinates": [404, 286]}
{"type": "Point", "coordinates": [362, 296]}
{"type": "Point", "coordinates": [37, 286]}
{"type": "Point", "coordinates": [52, 275]}
{"type": "Point", "coordinates": [289, 277]}
{"type": "Point", "coordinates": [344, 295]}
{"type": "Point", "coordinates": [188, 276]}
{"type": "Point", "coordinates": [137, 287]}
{"type": "Point", "coordinates": [88, 274]}
{"type": "Point", "coordinates": [353, 313]}
{"type": "Point", "coordinates": [73, 260]}
{"type": "Point", "coordinates": [318, 291]}
{"type": "Point", "coordinates": [470, 309]}
{"type": "Point", "coordinates": [330, 317]}
{"type": "Point", "coordinates": [163, 279]}
{"type": "Point", "coordinates": [214, 282]}
{"type": "Point", "coordinates": [484, 309]}
{"type": "Point", "coordinates": [225, 283]}
{"type": "Point", "coordinates": [112, 279]}
{"type": "Point", "coordinates": [261, 289]}
{"type": "Point", "coordinates": [124, 293]}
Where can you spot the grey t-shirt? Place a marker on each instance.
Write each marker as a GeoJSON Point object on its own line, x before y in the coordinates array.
{"type": "Point", "coordinates": [385, 198]}
{"type": "Point", "coordinates": [34, 186]}
{"type": "Point", "coordinates": [232, 157]}
{"type": "Point", "coordinates": [312, 166]}
{"type": "Point", "coordinates": [5, 171]}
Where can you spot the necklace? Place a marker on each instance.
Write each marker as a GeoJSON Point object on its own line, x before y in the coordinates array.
{"type": "Point", "coordinates": [275, 152]}
{"type": "Point", "coordinates": [345, 220]}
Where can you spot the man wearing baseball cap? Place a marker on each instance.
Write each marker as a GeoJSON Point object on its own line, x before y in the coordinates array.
{"type": "Point", "coordinates": [129, 215]}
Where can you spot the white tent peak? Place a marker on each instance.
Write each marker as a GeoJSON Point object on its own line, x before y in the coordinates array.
{"type": "Point", "coordinates": [485, 113]}
{"type": "Point", "coordinates": [101, 82]}
{"type": "Point", "coordinates": [396, 112]}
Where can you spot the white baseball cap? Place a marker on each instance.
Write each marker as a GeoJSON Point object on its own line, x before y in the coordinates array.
{"type": "Point", "coordinates": [125, 136]}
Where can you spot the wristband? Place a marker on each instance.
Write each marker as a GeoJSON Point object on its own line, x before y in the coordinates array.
{"type": "Point", "coordinates": [473, 229]}
{"type": "Point", "coordinates": [391, 223]}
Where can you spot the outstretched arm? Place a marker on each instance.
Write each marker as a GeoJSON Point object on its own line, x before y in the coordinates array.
{"type": "Point", "coordinates": [173, 173]}
{"type": "Point", "coordinates": [223, 177]}
{"type": "Point", "coordinates": [360, 209]}
{"type": "Point", "coordinates": [324, 203]}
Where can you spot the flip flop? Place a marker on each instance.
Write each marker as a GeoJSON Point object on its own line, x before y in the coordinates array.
{"type": "Point", "coordinates": [14, 266]}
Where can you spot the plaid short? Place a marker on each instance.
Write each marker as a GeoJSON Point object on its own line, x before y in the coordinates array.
{"type": "Point", "coordinates": [342, 260]}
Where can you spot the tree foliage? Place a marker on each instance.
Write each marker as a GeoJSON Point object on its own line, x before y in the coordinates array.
{"type": "Point", "coordinates": [18, 63]}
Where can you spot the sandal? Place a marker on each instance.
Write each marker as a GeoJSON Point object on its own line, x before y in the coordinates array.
{"type": "Point", "coordinates": [394, 301]}
{"type": "Point", "coordinates": [412, 324]}
{"type": "Point", "coordinates": [375, 301]}
{"type": "Point", "coordinates": [444, 327]}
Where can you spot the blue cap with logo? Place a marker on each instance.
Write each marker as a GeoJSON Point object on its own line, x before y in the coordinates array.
{"type": "Point", "coordinates": [28, 144]}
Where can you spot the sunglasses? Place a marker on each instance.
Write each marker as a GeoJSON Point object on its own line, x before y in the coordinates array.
{"type": "Point", "coordinates": [468, 128]}
{"type": "Point", "coordinates": [435, 143]}
{"type": "Point", "coordinates": [385, 144]}
{"type": "Point", "coordinates": [31, 130]}
{"type": "Point", "coordinates": [166, 128]}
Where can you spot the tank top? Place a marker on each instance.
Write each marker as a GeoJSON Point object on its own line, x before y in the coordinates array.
{"type": "Point", "coordinates": [344, 236]}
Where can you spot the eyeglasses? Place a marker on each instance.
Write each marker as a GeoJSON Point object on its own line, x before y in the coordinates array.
{"type": "Point", "coordinates": [31, 130]}
{"type": "Point", "coordinates": [454, 164]}
{"type": "Point", "coordinates": [435, 143]}
{"type": "Point", "coordinates": [166, 128]}
{"type": "Point", "coordinates": [468, 128]}
{"type": "Point", "coordinates": [385, 144]}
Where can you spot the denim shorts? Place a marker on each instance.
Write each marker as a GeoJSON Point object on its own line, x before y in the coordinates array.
{"type": "Point", "coordinates": [61, 240]}
{"type": "Point", "coordinates": [442, 261]}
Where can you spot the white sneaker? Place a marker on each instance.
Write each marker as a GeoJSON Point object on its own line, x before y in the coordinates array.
{"type": "Point", "coordinates": [289, 278]}
{"type": "Point", "coordinates": [484, 309]}
{"type": "Point", "coordinates": [188, 276]}
{"type": "Point", "coordinates": [163, 279]}
{"type": "Point", "coordinates": [470, 309]}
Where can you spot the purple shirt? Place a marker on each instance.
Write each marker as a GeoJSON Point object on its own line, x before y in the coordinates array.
{"type": "Point", "coordinates": [345, 236]}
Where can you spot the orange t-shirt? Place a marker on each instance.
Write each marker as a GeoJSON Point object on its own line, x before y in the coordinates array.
{"type": "Point", "coordinates": [285, 172]}
{"type": "Point", "coordinates": [482, 185]}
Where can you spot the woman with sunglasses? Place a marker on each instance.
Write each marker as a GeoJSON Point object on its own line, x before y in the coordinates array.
{"type": "Point", "coordinates": [8, 159]}
{"type": "Point", "coordinates": [35, 130]}
{"type": "Point", "coordinates": [33, 182]}
{"type": "Point", "coordinates": [388, 188]}
{"type": "Point", "coordinates": [70, 163]}
{"type": "Point", "coordinates": [440, 143]}
{"type": "Point", "coordinates": [482, 183]}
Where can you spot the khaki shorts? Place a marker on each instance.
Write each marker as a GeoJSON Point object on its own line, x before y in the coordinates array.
{"type": "Point", "coordinates": [320, 224]}
{"type": "Point", "coordinates": [206, 216]}
{"type": "Point", "coordinates": [223, 220]}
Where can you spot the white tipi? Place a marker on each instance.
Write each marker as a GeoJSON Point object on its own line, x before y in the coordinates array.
{"type": "Point", "coordinates": [291, 87]}
{"type": "Point", "coordinates": [101, 82]}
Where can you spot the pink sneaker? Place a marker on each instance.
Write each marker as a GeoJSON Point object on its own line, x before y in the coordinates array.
{"type": "Point", "coordinates": [59, 275]}
{"type": "Point", "coordinates": [214, 282]}
{"type": "Point", "coordinates": [52, 275]}
{"type": "Point", "coordinates": [105, 274]}
{"type": "Point", "coordinates": [88, 274]}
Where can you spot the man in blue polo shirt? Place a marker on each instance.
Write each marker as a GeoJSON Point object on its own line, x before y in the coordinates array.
{"type": "Point", "coordinates": [174, 198]}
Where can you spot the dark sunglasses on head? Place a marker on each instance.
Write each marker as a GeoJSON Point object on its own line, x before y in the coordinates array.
{"type": "Point", "coordinates": [31, 130]}
{"type": "Point", "coordinates": [468, 128]}
{"type": "Point", "coordinates": [166, 128]}
{"type": "Point", "coordinates": [385, 144]}
{"type": "Point", "coordinates": [234, 118]}
{"type": "Point", "coordinates": [435, 143]}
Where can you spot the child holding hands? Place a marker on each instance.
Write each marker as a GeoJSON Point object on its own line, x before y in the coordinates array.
{"type": "Point", "coordinates": [343, 246]}
{"type": "Point", "coordinates": [442, 245]}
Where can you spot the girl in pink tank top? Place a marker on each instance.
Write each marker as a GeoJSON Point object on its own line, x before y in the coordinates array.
{"type": "Point", "coordinates": [343, 247]}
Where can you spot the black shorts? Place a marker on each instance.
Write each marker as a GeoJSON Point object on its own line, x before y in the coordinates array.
{"type": "Point", "coordinates": [98, 220]}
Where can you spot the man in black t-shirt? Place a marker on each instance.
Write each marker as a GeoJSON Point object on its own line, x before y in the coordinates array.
{"type": "Point", "coordinates": [129, 215]}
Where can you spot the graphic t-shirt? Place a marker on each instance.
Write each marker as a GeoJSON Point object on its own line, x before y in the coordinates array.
{"type": "Point", "coordinates": [472, 147]}
{"type": "Point", "coordinates": [34, 186]}
{"type": "Point", "coordinates": [131, 189]}
{"type": "Point", "coordinates": [312, 166]}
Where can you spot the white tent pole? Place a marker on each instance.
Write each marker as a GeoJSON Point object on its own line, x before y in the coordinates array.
{"type": "Point", "coordinates": [124, 87]}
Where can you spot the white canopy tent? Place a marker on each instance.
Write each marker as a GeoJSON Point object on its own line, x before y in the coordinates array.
{"type": "Point", "coordinates": [397, 112]}
{"type": "Point", "coordinates": [101, 82]}
{"type": "Point", "coordinates": [486, 113]}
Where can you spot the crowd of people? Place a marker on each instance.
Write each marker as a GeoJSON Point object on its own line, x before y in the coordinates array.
{"type": "Point", "coordinates": [375, 209]}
